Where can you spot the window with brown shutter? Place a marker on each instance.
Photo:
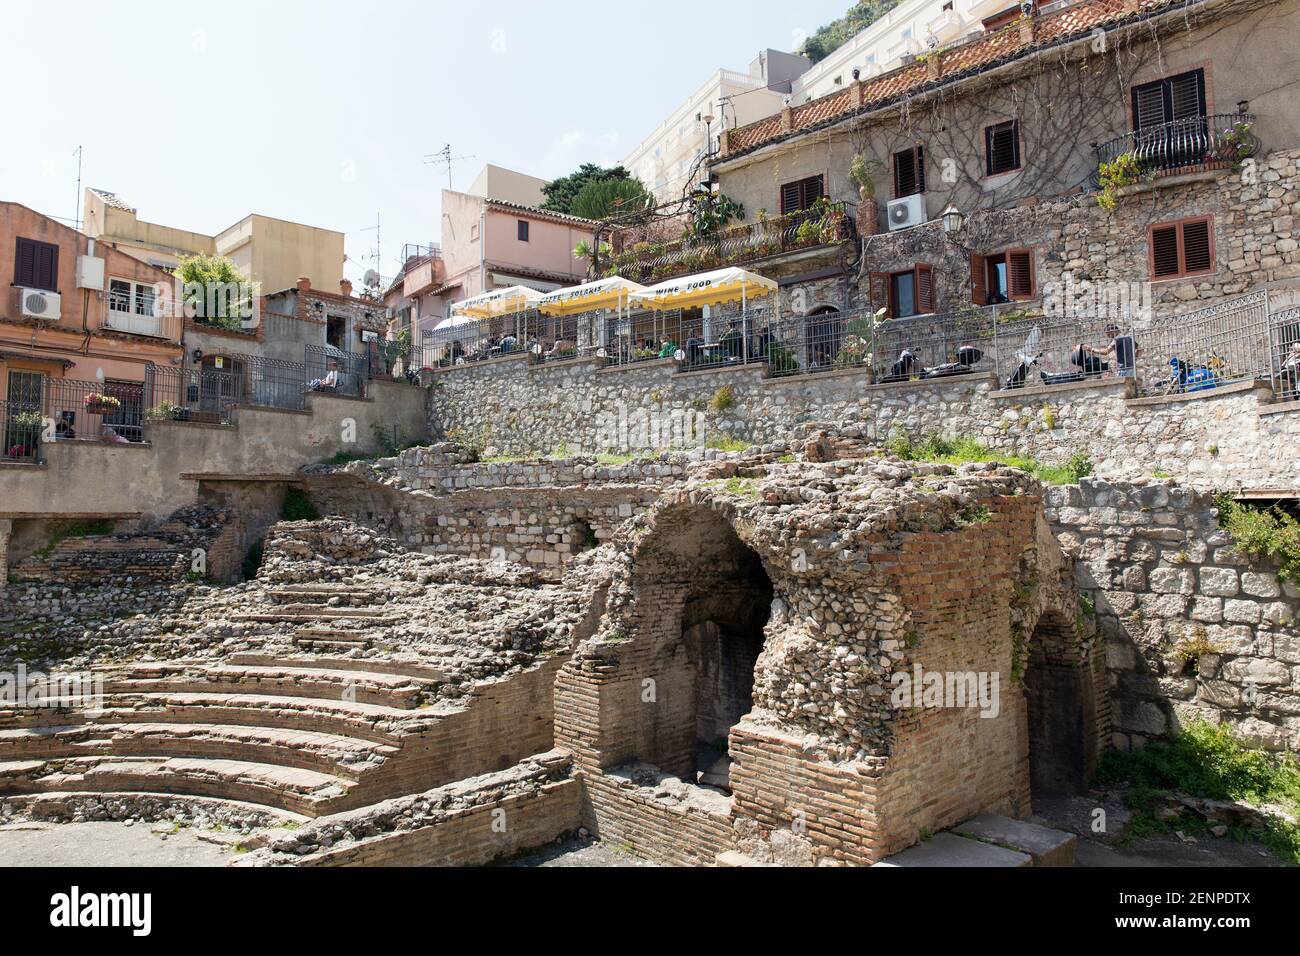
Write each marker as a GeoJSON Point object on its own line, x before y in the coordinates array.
{"type": "Point", "coordinates": [979, 290]}
{"type": "Point", "coordinates": [1002, 147]}
{"type": "Point", "coordinates": [1178, 97]}
{"type": "Point", "coordinates": [909, 292]}
{"type": "Point", "coordinates": [36, 265]}
{"type": "Point", "coordinates": [801, 194]}
{"type": "Point", "coordinates": [1020, 273]}
{"type": "Point", "coordinates": [924, 289]}
{"type": "Point", "coordinates": [1182, 248]}
{"type": "Point", "coordinates": [909, 172]}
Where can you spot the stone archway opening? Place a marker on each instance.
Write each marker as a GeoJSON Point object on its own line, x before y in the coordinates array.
{"type": "Point", "coordinates": [705, 599]}
{"type": "Point", "coordinates": [1061, 698]}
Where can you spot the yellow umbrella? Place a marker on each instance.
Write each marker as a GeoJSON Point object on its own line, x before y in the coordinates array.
{"type": "Point", "coordinates": [611, 293]}
{"type": "Point", "coordinates": [488, 305]}
{"type": "Point", "coordinates": [707, 288]}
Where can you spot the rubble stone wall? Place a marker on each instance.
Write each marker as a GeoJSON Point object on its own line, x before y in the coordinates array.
{"type": "Point", "coordinates": [1227, 437]}
{"type": "Point", "coordinates": [1193, 628]}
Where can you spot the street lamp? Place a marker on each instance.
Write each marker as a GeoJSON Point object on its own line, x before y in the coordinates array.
{"type": "Point", "coordinates": [953, 220]}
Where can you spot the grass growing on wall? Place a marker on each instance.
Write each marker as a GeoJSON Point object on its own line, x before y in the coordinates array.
{"type": "Point", "coordinates": [1205, 760]}
{"type": "Point", "coordinates": [961, 450]}
{"type": "Point", "coordinates": [1263, 533]}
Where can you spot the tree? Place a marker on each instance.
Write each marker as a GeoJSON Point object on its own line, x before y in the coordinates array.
{"type": "Point", "coordinates": [603, 198]}
{"type": "Point", "coordinates": [216, 291]}
{"type": "Point", "coordinates": [830, 36]}
{"type": "Point", "coordinates": [561, 193]}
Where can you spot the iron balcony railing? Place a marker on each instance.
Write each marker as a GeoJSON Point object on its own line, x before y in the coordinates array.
{"type": "Point", "coordinates": [825, 224]}
{"type": "Point", "coordinates": [1284, 332]}
{"type": "Point", "coordinates": [21, 424]}
{"type": "Point", "coordinates": [202, 395]}
{"type": "Point", "coordinates": [1219, 141]}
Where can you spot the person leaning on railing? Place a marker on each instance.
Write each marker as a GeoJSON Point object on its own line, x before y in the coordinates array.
{"type": "Point", "coordinates": [1121, 347]}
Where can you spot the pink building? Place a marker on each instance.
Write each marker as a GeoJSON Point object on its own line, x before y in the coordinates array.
{"type": "Point", "coordinates": [493, 236]}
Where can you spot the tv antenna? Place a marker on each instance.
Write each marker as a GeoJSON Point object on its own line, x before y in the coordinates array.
{"type": "Point", "coordinates": [375, 255]}
{"type": "Point", "coordinates": [444, 157]}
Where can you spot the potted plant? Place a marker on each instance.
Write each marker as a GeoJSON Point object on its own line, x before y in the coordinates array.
{"type": "Point", "coordinates": [97, 403]}
{"type": "Point", "coordinates": [1123, 170]}
{"type": "Point", "coordinates": [863, 172]}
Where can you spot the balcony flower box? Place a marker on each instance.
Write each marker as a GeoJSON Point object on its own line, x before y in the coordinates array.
{"type": "Point", "coordinates": [98, 403]}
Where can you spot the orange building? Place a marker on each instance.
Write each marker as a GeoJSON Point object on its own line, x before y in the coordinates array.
{"type": "Point", "coordinates": [79, 320]}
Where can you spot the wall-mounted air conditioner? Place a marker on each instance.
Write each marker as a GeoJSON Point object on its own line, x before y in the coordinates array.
{"type": "Point", "coordinates": [906, 212]}
{"type": "Point", "coordinates": [39, 304]}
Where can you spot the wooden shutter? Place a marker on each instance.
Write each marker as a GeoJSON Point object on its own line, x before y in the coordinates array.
{"type": "Point", "coordinates": [879, 287]}
{"type": "Point", "coordinates": [800, 194]}
{"type": "Point", "coordinates": [1164, 252]}
{"type": "Point", "coordinates": [924, 289]}
{"type": "Point", "coordinates": [1002, 145]}
{"type": "Point", "coordinates": [1177, 97]}
{"type": "Point", "coordinates": [1187, 95]}
{"type": "Point", "coordinates": [979, 290]}
{"type": "Point", "coordinates": [36, 265]}
{"type": "Point", "coordinates": [1148, 105]}
{"type": "Point", "coordinates": [909, 172]}
{"type": "Point", "coordinates": [1020, 273]}
{"type": "Point", "coordinates": [1197, 254]}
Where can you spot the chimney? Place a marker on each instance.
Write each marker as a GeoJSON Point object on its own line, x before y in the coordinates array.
{"type": "Point", "coordinates": [304, 283]}
{"type": "Point", "coordinates": [345, 288]}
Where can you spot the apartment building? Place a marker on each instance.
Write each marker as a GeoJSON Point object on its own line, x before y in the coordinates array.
{"type": "Point", "coordinates": [272, 252]}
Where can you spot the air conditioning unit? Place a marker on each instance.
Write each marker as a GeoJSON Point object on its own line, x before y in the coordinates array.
{"type": "Point", "coordinates": [39, 304]}
{"type": "Point", "coordinates": [906, 212]}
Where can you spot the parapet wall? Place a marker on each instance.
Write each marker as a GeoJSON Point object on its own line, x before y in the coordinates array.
{"type": "Point", "coordinates": [1225, 438]}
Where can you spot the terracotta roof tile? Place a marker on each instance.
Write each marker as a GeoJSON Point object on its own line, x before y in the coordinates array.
{"type": "Point", "coordinates": [987, 49]}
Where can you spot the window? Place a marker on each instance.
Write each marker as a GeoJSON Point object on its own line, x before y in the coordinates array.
{"type": "Point", "coordinates": [36, 265]}
{"type": "Point", "coordinates": [1002, 147]}
{"type": "Point", "coordinates": [336, 330]}
{"type": "Point", "coordinates": [1178, 97]}
{"type": "Point", "coordinates": [523, 230]}
{"type": "Point", "coordinates": [801, 194]}
{"type": "Point", "coordinates": [909, 172]}
{"type": "Point", "coordinates": [1004, 277]}
{"type": "Point", "coordinates": [132, 307]}
{"type": "Point", "coordinates": [1178, 249]}
{"type": "Point", "coordinates": [25, 388]}
{"type": "Point", "coordinates": [909, 292]}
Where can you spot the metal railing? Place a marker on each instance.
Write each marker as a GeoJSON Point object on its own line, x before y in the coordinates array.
{"type": "Point", "coordinates": [272, 383]}
{"type": "Point", "coordinates": [1219, 345]}
{"type": "Point", "coordinates": [825, 224]}
{"type": "Point", "coordinates": [1284, 331]}
{"type": "Point", "coordinates": [204, 395]}
{"type": "Point", "coordinates": [1209, 142]}
{"type": "Point", "coordinates": [332, 371]}
{"type": "Point", "coordinates": [21, 424]}
{"type": "Point", "coordinates": [934, 346]}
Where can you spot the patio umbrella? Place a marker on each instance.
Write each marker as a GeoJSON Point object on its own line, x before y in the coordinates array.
{"type": "Point", "coordinates": [607, 294]}
{"type": "Point", "coordinates": [718, 287]}
{"type": "Point", "coordinates": [514, 299]}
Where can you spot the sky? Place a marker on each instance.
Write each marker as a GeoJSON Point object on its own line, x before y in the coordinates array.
{"type": "Point", "coordinates": [323, 112]}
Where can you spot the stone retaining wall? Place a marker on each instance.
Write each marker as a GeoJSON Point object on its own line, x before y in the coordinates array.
{"type": "Point", "coordinates": [1226, 438]}
{"type": "Point", "coordinates": [1194, 629]}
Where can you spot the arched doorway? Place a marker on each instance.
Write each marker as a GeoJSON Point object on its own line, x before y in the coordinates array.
{"type": "Point", "coordinates": [704, 599]}
{"type": "Point", "coordinates": [824, 337]}
{"type": "Point", "coordinates": [1061, 698]}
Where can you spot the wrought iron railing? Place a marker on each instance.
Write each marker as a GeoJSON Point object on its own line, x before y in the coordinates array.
{"type": "Point", "coordinates": [204, 395]}
{"type": "Point", "coordinates": [332, 371]}
{"type": "Point", "coordinates": [1199, 142]}
{"type": "Point", "coordinates": [1284, 331]}
{"type": "Point", "coordinates": [825, 224]}
{"type": "Point", "coordinates": [21, 424]}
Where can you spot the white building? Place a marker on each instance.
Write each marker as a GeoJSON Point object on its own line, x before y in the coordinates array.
{"type": "Point", "coordinates": [666, 158]}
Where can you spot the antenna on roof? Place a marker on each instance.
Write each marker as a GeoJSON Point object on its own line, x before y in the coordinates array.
{"type": "Point", "coordinates": [375, 255]}
{"type": "Point", "coordinates": [77, 222]}
{"type": "Point", "coordinates": [444, 156]}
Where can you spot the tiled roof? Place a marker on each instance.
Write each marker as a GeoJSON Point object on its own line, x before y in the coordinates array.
{"type": "Point", "coordinates": [541, 213]}
{"type": "Point", "coordinates": [967, 59]}
{"type": "Point", "coordinates": [111, 199]}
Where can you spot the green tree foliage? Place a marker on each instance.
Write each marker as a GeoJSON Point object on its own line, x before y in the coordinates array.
{"type": "Point", "coordinates": [603, 198]}
{"type": "Point", "coordinates": [218, 292]}
{"type": "Point", "coordinates": [838, 32]}
{"type": "Point", "coordinates": [561, 193]}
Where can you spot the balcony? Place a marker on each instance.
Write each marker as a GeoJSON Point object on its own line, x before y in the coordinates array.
{"type": "Point", "coordinates": [422, 268]}
{"type": "Point", "coordinates": [825, 225]}
{"type": "Point", "coordinates": [1195, 144]}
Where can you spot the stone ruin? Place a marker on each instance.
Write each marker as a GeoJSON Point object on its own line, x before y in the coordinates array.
{"type": "Point", "coordinates": [734, 658]}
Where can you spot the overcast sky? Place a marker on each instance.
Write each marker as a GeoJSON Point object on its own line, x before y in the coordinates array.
{"type": "Point", "coordinates": [322, 111]}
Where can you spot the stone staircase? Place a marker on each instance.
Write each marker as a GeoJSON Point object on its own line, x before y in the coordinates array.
{"type": "Point", "coordinates": [990, 840]}
{"type": "Point", "coordinates": [309, 735]}
{"type": "Point", "coordinates": [324, 616]}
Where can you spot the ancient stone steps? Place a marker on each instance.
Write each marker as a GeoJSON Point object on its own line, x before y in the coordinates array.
{"type": "Point", "coordinates": [373, 722]}
{"type": "Point", "coordinates": [307, 792]}
{"type": "Point", "coordinates": [990, 840]}
{"type": "Point", "coordinates": [61, 805]}
{"type": "Point", "coordinates": [309, 614]}
{"type": "Point", "coordinates": [389, 690]}
{"type": "Point", "coordinates": [420, 672]}
{"type": "Point", "coordinates": [328, 638]}
{"type": "Point", "coordinates": [348, 757]}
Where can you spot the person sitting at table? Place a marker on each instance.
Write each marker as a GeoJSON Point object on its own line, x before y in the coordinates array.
{"type": "Point", "coordinates": [561, 346]}
{"type": "Point", "coordinates": [329, 382]}
{"type": "Point", "coordinates": [732, 342]}
{"type": "Point", "coordinates": [667, 348]}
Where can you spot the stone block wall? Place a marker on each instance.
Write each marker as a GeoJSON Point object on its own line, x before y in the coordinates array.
{"type": "Point", "coordinates": [1193, 629]}
{"type": "Point", "coordinates": [1226, 437]}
